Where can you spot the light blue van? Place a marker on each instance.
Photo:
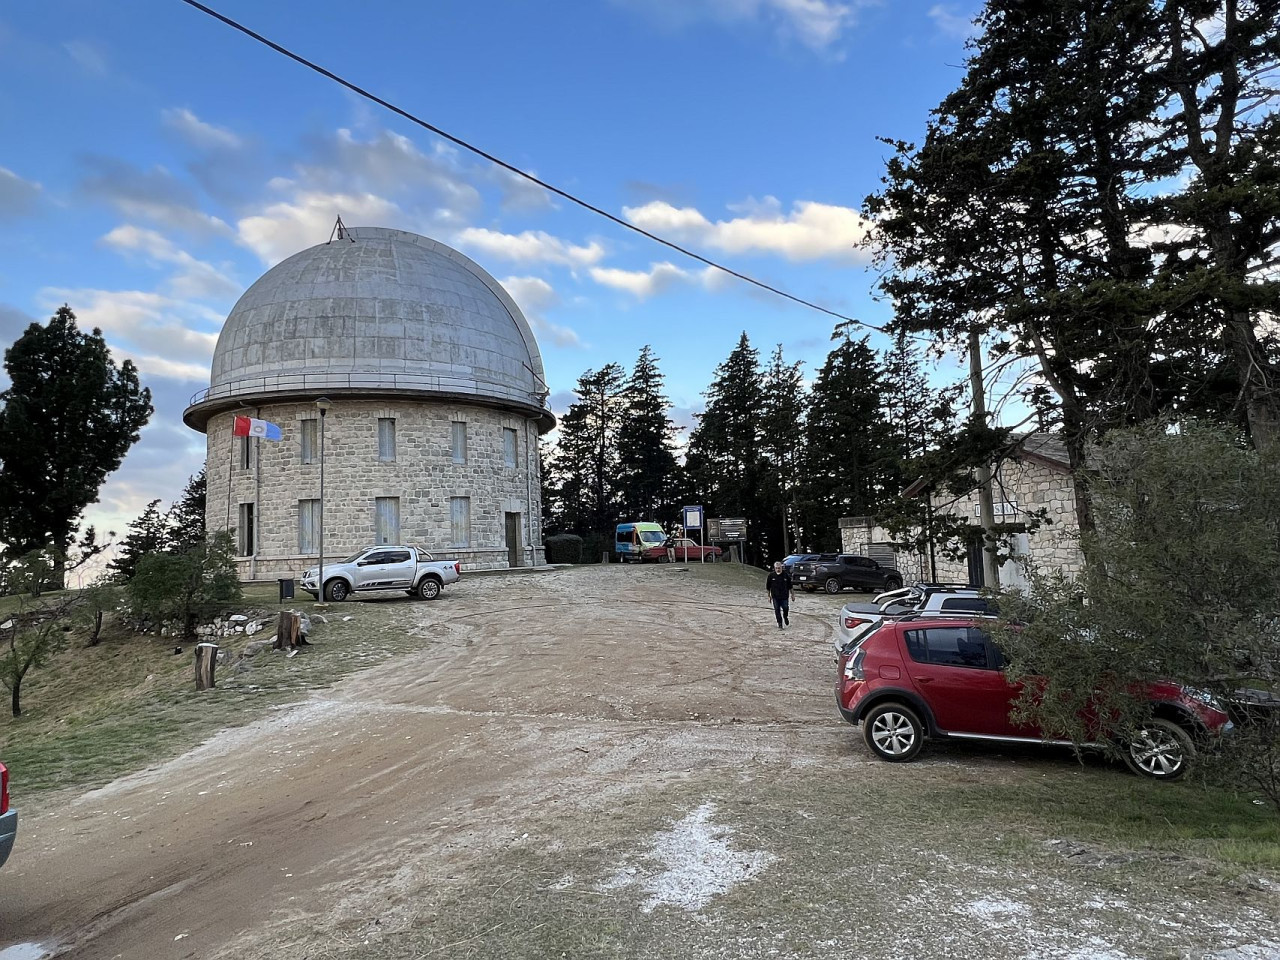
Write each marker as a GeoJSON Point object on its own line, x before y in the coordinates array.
{"type": "Point", "coordinates": [638, 542]}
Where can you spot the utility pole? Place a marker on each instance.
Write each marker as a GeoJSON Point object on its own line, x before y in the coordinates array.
{"type": "Point", "coordinates": [986, 509]}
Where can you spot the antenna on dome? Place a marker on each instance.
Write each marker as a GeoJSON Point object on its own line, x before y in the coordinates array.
{"type": "Point", "coordinates": [341, 232]}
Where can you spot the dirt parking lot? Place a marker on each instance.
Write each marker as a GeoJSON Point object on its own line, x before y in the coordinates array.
{"type": "Point", "coordinates": [602, 762]}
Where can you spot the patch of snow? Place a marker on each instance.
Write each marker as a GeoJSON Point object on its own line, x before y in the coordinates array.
{"type": "Point", "coordinates": [699, 863]}
{"type": "Point", "coordinates": [1264, 950]}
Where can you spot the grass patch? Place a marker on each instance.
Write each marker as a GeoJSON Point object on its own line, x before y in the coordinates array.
{"type": "Point", "coordinates": [92, 714]}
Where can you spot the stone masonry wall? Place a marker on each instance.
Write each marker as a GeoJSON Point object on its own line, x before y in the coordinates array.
{"type": "Point", "coordinates": [1028, 484]}
{"type": "Point", "coordinates": [423, 476]}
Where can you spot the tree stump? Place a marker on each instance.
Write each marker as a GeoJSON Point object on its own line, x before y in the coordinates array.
{"type": "Point", "coordinates": [288, 629]}
{"type": "Point", "coordinates": [206, 661]}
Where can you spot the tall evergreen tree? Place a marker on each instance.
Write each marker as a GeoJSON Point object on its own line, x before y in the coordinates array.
{"type": "Point", "coordinates": [782, 446]}
{"type": "Point", "coordinates": [146, 536]}
{"type": "Point", "coordinates": [68, 418]}
{"type": "Point", "coordinates": [852, 451]}
{"type": "Point", "coordinates": [647, 466]}
{"type": "Point", "coordinates": [723, 461]}
{"type": "Point", "coordinates": [1029, 211]}
{"type": "Point", "coordinates": [186, 516]}
{"type": "Point", "coordinates": [587, 452]}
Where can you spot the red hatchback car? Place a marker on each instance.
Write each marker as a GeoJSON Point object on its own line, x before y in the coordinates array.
{"type": "Point", "coordinates": [919, 678]}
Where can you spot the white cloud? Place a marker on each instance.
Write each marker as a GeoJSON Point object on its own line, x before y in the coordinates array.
{"type": "Point", "coordinates": [160, 334]}
{"type": "Point", "coordinates": [817, 24]}
{"type": "Point", "coordinates": [289, 226]}
{"type": "Point", "coordinates": [196, 131]}
{"type": "Point", "coordinates": [531, 246]}
{"type": "Point", "coordinates": [193, 279]}
{"type": "Point", "coordinates": [18, 197]}
{"type": "Point", "coordinates": [534, 296]}
{"type": "Point", "coordinates": [952, 22]}
{"type": "Point", "coordinates": [810, 231]}
{"type": "Point", "coordinates": [641, 283]}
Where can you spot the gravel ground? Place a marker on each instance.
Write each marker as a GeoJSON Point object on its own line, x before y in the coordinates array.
{"type": "Point", "coordinates": [601, 762]}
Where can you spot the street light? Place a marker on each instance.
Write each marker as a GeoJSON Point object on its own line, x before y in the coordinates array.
{"type": "Point", "coordinates": [323, 404]}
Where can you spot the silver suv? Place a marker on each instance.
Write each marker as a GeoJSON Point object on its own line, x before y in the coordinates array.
{"type": "Point", "coordinates": [858, 620]}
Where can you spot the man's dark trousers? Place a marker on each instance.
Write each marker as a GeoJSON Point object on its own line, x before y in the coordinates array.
{"type": "Point", "coordinates": [782, 609]}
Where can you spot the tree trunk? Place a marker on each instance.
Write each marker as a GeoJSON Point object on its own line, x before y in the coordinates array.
{"type": "Point", "coordinates": [96, 636]}
{"type": "Point", "coordinates": [206, 662]}
{"type": "Point", "coordinates": [16, 699]}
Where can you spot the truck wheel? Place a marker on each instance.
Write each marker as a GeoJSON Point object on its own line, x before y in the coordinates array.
{"type": "Point", "coordinates": [428, 588]}
{"type": "Point", "coordinates": [336, 591]}
{"type": "Point", "coordinates": [832, 585]}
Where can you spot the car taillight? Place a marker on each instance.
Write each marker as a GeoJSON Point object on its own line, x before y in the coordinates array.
{"type": "Point", "coordinates": [851, 622]}
{"type": "Point", "coordinates": [457, 567]}
{"type": "Point", "coordinates": [853, 665]}
{"type": "Point", "coordinates": [4, 789]}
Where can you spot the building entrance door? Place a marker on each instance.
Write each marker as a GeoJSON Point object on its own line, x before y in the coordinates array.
{"type": "Point", "coordinates": [514, 553]}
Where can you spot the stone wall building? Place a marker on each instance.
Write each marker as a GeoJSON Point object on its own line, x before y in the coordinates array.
{"type": "Point", "coordinates": [434, 399]}
{"type": "Point", "coordinates": [1037, 477]}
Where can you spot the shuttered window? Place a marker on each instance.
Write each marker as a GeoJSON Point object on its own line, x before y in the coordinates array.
{"type": "Point", "coordinates": [308, 526]}
{"type": "Point", "coordinates": [459, 441]}
{"type": "Point", "coordinates": [310, 431]}
{"type": "Point", "coordinates": [460, 521]}
{"type": "Point", "coordinates": [510, 446]}
{"type": "Point", "coordinates": [386, 438]}
{"type": "Point", "coordinates": [386, 519]}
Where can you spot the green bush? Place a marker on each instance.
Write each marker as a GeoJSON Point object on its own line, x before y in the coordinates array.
{"type": "Point", "coordinates": [187, 585]}
{"type": "Point", "coordinates": [564, 548]}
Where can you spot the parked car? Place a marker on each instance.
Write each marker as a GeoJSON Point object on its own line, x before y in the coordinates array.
{"type": "Point", "coordinates": [686, 549]}
{"type": "Point", "coordinates": [834, 574]}
{"type": "Point", "coordinates": [639, 542]}
{"type": "Point", "coordinates": [8, 817]}
{"type": "Point", "coordinates": [924, 677]}
{"type": "Point", "coordinates": [384, 567]}
{"type": "Point", "coordinates": [935, 597]}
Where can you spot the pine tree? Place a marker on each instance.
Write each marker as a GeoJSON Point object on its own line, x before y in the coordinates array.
{"type": "Point", "coordinates": [186, 517]}
{"type": "Point", "coordinates": [782, 446]}
{"type": "Point", "coordinates": [723, 462]}
{"type": "Point", "coordinates": [648, 469]}
{"type": "Point", "coordinates": [147, 536]}
{"type": "Point", "coordinates": [852, 448]}
{"type": "Point", "coordinates": [68, 418]}
{"type": "Point", "coordinates": [587, 453]}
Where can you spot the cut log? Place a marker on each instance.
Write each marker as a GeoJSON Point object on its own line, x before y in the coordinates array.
{"type": "Point", "coordinates": [206, 662]}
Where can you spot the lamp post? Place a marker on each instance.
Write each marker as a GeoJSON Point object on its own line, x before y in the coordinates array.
{"type": "Point", "coordinates": [323, 404]}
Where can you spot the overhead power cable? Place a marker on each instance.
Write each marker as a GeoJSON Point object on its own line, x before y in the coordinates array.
{"type": "Point", "coordinates": [517, 171]}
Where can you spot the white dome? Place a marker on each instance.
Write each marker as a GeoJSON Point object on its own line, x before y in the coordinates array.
{"type": "Point", "coordinates": [376, 312]}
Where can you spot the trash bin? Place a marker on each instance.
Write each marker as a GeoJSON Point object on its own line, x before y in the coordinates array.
{"type": "Point", "coordinates": [286, 589]}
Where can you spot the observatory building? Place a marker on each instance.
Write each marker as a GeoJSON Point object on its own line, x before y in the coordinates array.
{"type": "Point", "coordinates": [405, 380]}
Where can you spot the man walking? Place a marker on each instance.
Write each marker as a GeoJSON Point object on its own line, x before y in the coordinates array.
{"type": "Point", "coordinates": [778, 585]}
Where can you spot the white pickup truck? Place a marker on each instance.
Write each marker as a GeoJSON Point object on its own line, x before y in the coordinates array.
{"type": "Point", "coordinates": [384, 567]}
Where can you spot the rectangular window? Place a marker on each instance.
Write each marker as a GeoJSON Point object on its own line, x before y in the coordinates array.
{"type": "Point", "coordinates": [245, 540]}
{"type": "Point", "coordinates": [460, 521]}
{"type": "Point", "coordinates": [386, 438]}
{"type": "Point", "coordinates": [386, 519]}
{"type": "Point", "coordinates": [510, 446]}
{"type": "Point", "coordinates": [246, 456]}
{"type": "Point", "coordinates": [310, 441]}
{"type": "Point", "coordinates": [308, 527]}
{"type": "Point", "coordinates": [459, 441]}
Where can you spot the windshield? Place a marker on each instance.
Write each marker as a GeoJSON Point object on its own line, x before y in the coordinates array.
{"type": "Point", "coordinates": [355, 556]}
{"type": "Point", "coordinates": [652, 536]}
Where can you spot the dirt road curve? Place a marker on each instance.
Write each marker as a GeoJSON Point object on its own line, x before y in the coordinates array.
{"type": "Point", "coordinates": [551, 727]}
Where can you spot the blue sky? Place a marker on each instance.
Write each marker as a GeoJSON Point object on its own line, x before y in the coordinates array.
{"type": "Point", "coordinates": [154, 163]}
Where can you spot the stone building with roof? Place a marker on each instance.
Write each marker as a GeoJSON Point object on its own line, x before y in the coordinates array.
{"type": "Point", "coordinates": [433, 393]}
{"type": "Point", "coordinates": [1036, 477]}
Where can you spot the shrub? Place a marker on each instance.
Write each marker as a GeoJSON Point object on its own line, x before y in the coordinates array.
{"type": "Point", "coordinates": [186, 585]}
{"type": "Point", "coordinates": [564, 548]}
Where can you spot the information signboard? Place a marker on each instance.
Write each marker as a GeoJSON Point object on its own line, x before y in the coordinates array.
{"type": "Point", "coordinates": [732, 528]}
{"type": "Point", "coordinates": [692, 518]}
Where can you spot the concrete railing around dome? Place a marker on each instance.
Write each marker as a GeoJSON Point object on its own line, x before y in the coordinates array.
{"type": "Point", "coordinates": [319, 383]}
